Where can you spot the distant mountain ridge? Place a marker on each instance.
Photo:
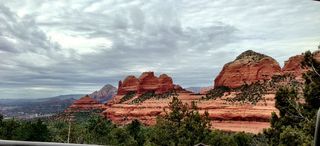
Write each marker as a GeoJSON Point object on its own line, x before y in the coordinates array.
{"type": "Point", "coordinates": [104, 94]}
{"type": "Point", "coordinates": [194, 89]}
{"type": "Point", "coordinates": [37, 100]}
{"type": "Point", "coordinates": [30, 108]}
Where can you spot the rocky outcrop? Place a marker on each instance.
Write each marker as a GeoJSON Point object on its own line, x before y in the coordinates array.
{"type": "Point", "coordinates": [129, 84]}
{"type": "Point", "coordinates": [247, 68]}
{"type": "Point", "coordinates": [147, 82]}
{"type": "Point", "coordinates": [223, 115]}
{"type": "Point", "coordinates": [104, 94]}
{"type": "Point", "coordinates": [165, 84]}
{"type": "Point", "coordinates": [85, 103]}
{"type": "Point", "coordinates": [294, 67]}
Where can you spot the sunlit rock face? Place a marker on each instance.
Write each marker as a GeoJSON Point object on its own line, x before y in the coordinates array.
{"type": "Point", "coordinates": [147, 82]}
{"type": "Point", "coordinates": [247, 68]}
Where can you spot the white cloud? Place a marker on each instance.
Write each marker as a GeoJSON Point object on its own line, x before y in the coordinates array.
{"type": "Point", "coordinates": [78, 45]}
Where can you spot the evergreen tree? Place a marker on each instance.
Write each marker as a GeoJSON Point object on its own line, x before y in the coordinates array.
{"type": "Point", "coordinates": [183, 125]}
{"type": "Point", "coordinates": [9, 129]}
{"type": "Point", "coordinates": [312, 81]}
{"type": "Point", "coordinates": [295, 126]}
{"type": "Point", "coordinates": [136, 131]}
{"type": "Point", "coordinates": [121, 137]}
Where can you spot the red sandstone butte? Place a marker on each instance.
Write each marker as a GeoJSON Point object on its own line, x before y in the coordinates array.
{"type": "Point", "coordinates": [130, 83]}
{"type": "Point", "coordinates": [85, 103]}
{"type": "Point", "coordinates": [165, 84]}
{"type": "Point", "coordinates": [248, 67]}
{"type": "Point", "coordinates": [293, 66]}
{"type": "Point", "coordinates": [145, 83]}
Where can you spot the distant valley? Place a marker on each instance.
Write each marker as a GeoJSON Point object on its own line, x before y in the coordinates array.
{"type": "Point", "coordinates": [31, 108]}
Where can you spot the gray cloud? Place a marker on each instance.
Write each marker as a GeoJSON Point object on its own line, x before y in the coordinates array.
{"type": "Point", "coordinates": [189, 40]}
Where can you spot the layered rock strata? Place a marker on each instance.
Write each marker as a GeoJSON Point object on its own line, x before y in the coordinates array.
{"type": "Point", "coordinates": [83, 104]}
{"type": "Point", "coordinates": [247, 68]}
{"type": "Point", "coordinates": [224, 115]}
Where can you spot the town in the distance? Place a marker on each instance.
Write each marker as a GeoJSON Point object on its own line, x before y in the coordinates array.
{"type": "Point", "coordinates": [241, 98]}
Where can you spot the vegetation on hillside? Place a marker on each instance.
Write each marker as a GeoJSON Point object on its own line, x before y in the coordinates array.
{"type": "Point", "coordinates": [182, 125]}
{"type": "Point", "coordinates": [254, 93]}
{"type": "Point", "coordinates": [149, 95]}
{"type": "Point", "coordinates": [295, 124]}
{"type": "Point", "coordinates": [127, 97]}
{"type": "Point", "coordinates": [216, 92]}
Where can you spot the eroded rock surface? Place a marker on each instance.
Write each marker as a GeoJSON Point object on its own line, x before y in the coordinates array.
{"type": "Point", "coordinates": [247, 68]}
{"type": "Point", "coordinates": [224, 115]}
{"type": "Point", "coordinates": [84, 104]}
{"type": "Point", "coordinates": [294, 66]}
{"type": "Point", "coordinates": [147, 82]}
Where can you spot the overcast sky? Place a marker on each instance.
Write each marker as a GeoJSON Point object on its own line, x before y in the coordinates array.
{"type": "Point", "coordinates": [51, 47]}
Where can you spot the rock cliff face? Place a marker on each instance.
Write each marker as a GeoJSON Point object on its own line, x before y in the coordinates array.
{"type": "Point", "coordinates": [104, 94]}
{"type": "Point", "coordinates": [223, 115]}
{"type": "Point", "coordinates": [85, 103]}
{"type": "Point", "coordinates": [129, 84]}
{"type": "Point", "coordinates": [293, 66]}
{"type": "Point", "coordinates": [248, 67]}
{"type": "Point", "coordinates": [145, 83]}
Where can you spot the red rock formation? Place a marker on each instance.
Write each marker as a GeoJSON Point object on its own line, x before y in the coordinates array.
{"type": "Point", "coordinates": [129, 84]}
{"type": "Point", "coordinates": [165, 84]}
{"type": "Point", "coordinates": [177, 87]}
{"type": "Point", "coordinates": [146, 82]}
{"type": "Point", "coordinates": [84, 104]}
{"type": "Point", "coordinates": [293, 66]}
{"type": "Point", "coordinates": [249, 67]}
{"type": "Point", "coordinates": [221, 113]}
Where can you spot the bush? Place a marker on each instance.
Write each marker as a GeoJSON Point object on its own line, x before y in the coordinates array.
{"type": "Point", "coordinates": [217, 92]}
{"type": "Point", "coordinates": [143, 97]}
{"type": "Point", "coordinates": [127, 97]}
